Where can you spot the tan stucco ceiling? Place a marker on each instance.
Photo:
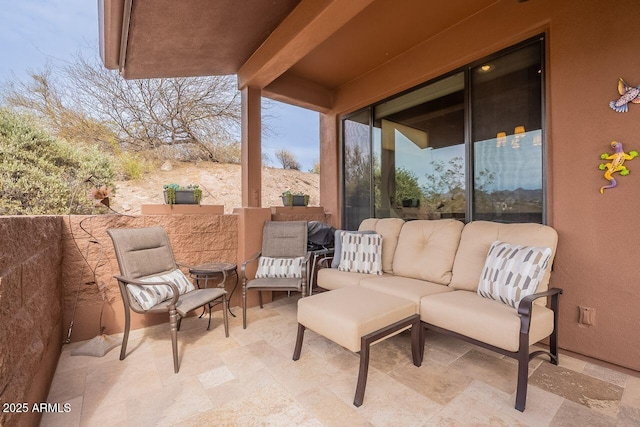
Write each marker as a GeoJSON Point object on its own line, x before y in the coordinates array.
{"type": "Point", "coordinates": [169, 38]}
{"type": "Point", "coordinates": [299, 51]}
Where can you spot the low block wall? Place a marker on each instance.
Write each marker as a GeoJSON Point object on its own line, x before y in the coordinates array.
{"type": "Point", "coordinates": [89, 264]}
{"type": "Point", "coordinates": [30, 312]}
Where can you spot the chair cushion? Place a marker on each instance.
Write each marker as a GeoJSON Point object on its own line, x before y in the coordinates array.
{"type": "Point", "coordinates": [389, 229]}
{"type": "Point", "coordinates": [361, 253]}
{"type": "Point", "coordinates": [270, 282]}
{"type": "Point", "coordinates": [197, 298]}
{"type": "Point", "coordinates": [426, 250]}
{"type": "Point", "coordinates": [478, 236]}
{"type": "Point", "coordinates": [279, 267]}
{"type": "Point", "coordinates": [512, 272]}
{"type": "Point", "coordinates": [483, 319]}
{"type": "Point", "coordinates": [337, 248]}
{"type": "Point", "coordinates": [404, 287]}
{"type": "Point", "coordinates": [148, 296]}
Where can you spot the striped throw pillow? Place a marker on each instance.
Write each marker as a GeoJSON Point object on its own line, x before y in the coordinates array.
{"type": "Point", "coordinates": [148, 296]}
{"type": "Point", "coordinates": [512, 272]}
{"type": "Point", "coordinates": [361, 253]}
{"type": "Point", "coordinates": [280, 268]}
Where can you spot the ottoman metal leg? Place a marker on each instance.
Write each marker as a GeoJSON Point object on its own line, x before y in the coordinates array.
{"type": "Point", "coordinates": [367, 340]}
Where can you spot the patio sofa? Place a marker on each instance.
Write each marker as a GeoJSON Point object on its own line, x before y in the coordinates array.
{"type": "Point", "coordinates": [437, 264]}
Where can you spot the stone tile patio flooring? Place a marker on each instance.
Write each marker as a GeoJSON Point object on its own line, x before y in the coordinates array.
{"type": "Point", "coordinates": [250, 379]}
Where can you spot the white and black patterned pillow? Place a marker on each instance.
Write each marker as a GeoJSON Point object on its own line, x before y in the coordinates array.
{"type": "Point", "coordinates": [512, 272]}
{"type": "Point", "coordinates": [361, 253]}
{"type": "Point", "coordinates": [148, 296]}
{"type": "Point", "coordinates": [279, 268]}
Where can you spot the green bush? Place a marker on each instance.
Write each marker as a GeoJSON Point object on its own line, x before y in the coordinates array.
{"type": "Point", "coordinates": [131, 166]}
{"type": "Point", "coordinates": [42, 175]}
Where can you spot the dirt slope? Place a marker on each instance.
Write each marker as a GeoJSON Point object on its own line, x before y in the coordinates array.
{"type": "Point", "coordinates": [220, 185]}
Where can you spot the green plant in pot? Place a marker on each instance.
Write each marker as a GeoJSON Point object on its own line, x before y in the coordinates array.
{"type": "Point", "coordinates": [177, 194]}
{"type": "Point", "coordinates": [294, 199]}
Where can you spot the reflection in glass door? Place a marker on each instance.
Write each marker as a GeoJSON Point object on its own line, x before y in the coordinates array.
{"type": "Point", "coordinates": [507, 137]}
{"type": "Point", "coordinates": [357, 169]}
{"type": "Point", "coordinates": [419, 152]}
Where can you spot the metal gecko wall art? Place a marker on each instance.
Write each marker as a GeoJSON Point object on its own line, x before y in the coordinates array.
{"type": "Point", "coordinates": [616, 164]}
{"type": "Point", "coordinates": [627, 94]}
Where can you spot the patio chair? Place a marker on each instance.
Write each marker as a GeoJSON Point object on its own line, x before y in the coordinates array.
{"type": "Point", "coordinates": [151, 282]}
{"type": "Point", "coordinates": [282, 263]}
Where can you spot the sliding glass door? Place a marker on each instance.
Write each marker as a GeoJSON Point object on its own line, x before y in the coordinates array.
{"type": "Point", "coordinates": [468, 146]}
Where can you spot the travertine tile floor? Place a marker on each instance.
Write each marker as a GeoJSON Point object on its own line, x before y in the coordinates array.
{"type": "Point", "coordinates": [250, 379]}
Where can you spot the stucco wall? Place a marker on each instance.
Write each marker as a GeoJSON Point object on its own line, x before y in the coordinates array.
{"type": "Point", "coordinates": [590, 44]}
{"type": "Point", "coordinates": [194, 239]}
{"type": "Point", "coordinates": [30, 311]}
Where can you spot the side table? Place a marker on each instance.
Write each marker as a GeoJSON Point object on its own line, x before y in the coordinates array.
{"type": "Point", "coordinates": [208, 271]}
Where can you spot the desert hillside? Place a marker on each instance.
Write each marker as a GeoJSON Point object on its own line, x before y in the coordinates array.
{"type": "Point", "coordinates": [220, 185]}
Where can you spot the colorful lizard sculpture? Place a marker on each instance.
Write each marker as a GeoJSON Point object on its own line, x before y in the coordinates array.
{"type": "Point", "coordinates": [616, 164]}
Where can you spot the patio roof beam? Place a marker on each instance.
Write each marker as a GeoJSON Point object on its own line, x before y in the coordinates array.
{"type": "Point", "coordinates": [295, 90]}
{"type": "Point", "coordinates": [309, 25]}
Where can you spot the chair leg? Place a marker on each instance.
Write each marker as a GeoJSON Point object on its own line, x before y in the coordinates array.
{"type": "Point", "coordinates": [260, 298]}
{"type": "Point", "coordinates": [173, 321]}
{"type": "Point", "coordinates": [298, 349]}
{"type": "Point", "coordinates": [209, 325]}
{"type": "Point", "coordinates": [244, 307]}
{"type": "Point", "coordinates": [125, 338]}
{"type": "Point", "coordinates": [225, 316]}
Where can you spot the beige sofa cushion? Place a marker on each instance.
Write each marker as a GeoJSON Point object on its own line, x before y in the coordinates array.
{"type": "Point", "coordinates": [476, 240]}
{"type": "Point", "coordinates": [389, 229]}
{"type": "Point", "coordinates": [411, 289]}
{"type": "Point", "coordinates": [426, 250]}
{"type": "Point", "coordinates": [332, 278]}
{"type": "Point", "coordinates": [486, 320]}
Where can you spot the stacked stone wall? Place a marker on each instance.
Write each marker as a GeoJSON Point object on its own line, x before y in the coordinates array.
{"type": "Point", "coordinates": [30, 313]}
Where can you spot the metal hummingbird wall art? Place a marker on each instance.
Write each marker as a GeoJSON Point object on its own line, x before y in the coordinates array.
{"type": "Point", "coordinates": [627, 94]}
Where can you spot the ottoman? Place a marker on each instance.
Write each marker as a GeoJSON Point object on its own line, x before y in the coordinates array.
{"type": "Point", "coordinates": [355, 318]}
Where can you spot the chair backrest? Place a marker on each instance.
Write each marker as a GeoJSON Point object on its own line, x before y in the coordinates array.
{"type": "Point", "coordinates": [142, 251]}
{"type": "Point", "coordinates": [284, 239]}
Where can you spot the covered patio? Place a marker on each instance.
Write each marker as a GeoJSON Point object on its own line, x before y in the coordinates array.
{"type": "Point", "coordinates": [250, 379]}
{"type": "Point", "coordinates": [342, 58]}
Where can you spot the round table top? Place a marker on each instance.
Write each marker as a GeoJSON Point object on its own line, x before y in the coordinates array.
{"type": "Point", "coordinates": [212, 268]}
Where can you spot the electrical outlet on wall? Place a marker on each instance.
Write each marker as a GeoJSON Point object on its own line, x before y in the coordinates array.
{"type": "Point", "coordinates": [587, 316]}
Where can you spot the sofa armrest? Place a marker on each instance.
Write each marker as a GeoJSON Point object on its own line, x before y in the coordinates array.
{"type": "Point", "coordinates": [526, 306]}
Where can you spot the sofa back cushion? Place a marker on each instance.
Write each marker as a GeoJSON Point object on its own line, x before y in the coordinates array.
{"type": "Point", "coordinates": [426, 250]}
{"type": "Point", "coordinates": [389, 229]}
{"type": "Point", "coordinates": [477, 238]}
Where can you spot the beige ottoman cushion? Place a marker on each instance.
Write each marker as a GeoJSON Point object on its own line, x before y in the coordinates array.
{"type": "Point", "coordinates": [347, 314]}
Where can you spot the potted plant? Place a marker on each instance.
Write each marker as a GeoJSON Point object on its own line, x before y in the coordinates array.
{"type": "Point", "coordinates": [179, 195]}
{"type": "Point", "coordinates": [294, 199]}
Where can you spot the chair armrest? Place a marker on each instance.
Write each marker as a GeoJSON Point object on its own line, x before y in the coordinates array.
{"type": "Point", "coordinates": [323, 261]}
{"type": "Point", "coordinates": [526, 306]}
{"type": "Point", "coordinates": [174, 288]}
{"type": "Point", "coordinates": [183, 265]}
{"type": "Point", "coordinates": [243, 268]}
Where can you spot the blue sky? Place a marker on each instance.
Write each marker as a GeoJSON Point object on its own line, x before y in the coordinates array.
{"type": "Point", "coordinates": [34, 32]}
